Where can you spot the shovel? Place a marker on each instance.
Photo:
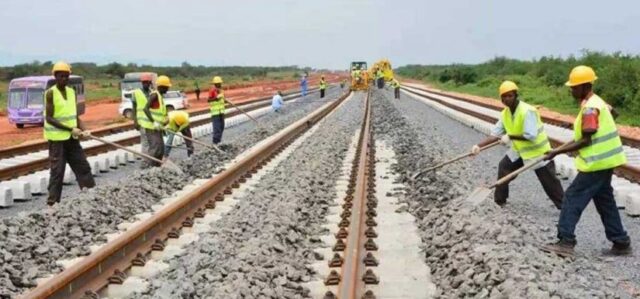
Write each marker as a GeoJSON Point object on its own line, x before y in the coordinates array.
{"type": "Point", "coordinates": [244, 112]}
{"type": "Point", "coordinates": [419, 174]}
{"type": "Point", "coordinates": [166, 163]}
{"type": "Point", "coordinates": [210, 146]}
{"type": "Point", "coordinates": [480, 193]}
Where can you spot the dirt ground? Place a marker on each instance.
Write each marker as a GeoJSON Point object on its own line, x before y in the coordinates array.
{"type": "Point", "coordinates": [101, 113]}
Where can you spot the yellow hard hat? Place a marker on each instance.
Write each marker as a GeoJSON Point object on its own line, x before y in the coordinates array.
{"type": "Point", "coordinates": [163, 81]}
{"type": "Point", "coordinates": [580, 75]}
{"type": "Point", "coordinates": [180, 117]}
{"type": "Point", "coordinates": [216, 80]}
{"type": "Point", "coordinates": [507, 86]}
{"type": "Point", "coordinates": [61, 66]}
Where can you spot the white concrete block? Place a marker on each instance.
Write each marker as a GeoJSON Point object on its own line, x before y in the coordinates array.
{"type": "Point", "coordinates": [122, 157]}
{"type": "Point", "coordinates": [632, 204]}
{"type": "Point", "coordinates": [131, 158]}
{"type": "Point", "coordinates": [21, 189]}
{"type": "Point", "coordinates": [114, 160]}
{"type": "Point", "coordinates": [39, 183]}
{"type": "Point", "coordinates": [69, 177]}
{"type": "Point", "coordinates": [103, 164]}
{"type": "Point", "coordinates": [6, 197]}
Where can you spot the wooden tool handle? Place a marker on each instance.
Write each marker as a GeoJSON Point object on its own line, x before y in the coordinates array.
{"type": "Point", "coordinates": [196, 141]}
{"type": "Point", "coordinates": [124, 148]}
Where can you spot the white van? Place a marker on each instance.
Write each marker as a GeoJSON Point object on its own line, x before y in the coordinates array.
{"type": "Point", "coordinates": [173, 100]}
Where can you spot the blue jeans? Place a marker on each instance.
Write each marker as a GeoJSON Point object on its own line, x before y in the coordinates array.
{"type": "Point", "coordinates": [218, 127]}
{"type": "Point", "coordinates": [588, 185]}
{"type": "Point", "coordinates": [304, 90]}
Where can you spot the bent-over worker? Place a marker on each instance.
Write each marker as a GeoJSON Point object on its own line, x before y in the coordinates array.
{"type": "Point", "coordinates": [178, 123]}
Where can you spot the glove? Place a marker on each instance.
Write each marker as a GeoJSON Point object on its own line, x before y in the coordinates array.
{"type": "Point", "coordinates": [505, 139]}
{"type": "Point", "coordinates": [75, 133]}
{"type": "Point", "coordinates": [157, 125]}
{"type": "Point", "coordinates": [85, 134]}
{"type": "Point", "coordinates": [475, 150]}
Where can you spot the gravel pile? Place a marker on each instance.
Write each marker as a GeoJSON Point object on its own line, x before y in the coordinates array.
{"type": "Point", "coordinates": [261, 248]}
{"type": "Point", "coordinates": [31, 242]}
{"type": "Point", "coordinates": [483, 252]}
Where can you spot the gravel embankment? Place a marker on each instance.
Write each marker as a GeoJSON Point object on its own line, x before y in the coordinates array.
{"type": "Point", "coordinates": [486, 252]}
{"type": "Point", "coordinates": [31, 242]}
{"type": "Point", "coordinates": [261, 248]}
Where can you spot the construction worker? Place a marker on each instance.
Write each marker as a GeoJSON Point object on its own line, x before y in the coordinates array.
{"type": "Point", "coordinates": [396, 88]}
{"type": "Point", "coordinates": [343, 83]}
{"type": "Point", "coordinates": [379, 78]}
{"type": "Point", "coordinates": [216, 105]}
{"type": "Point", "coordinates": [599, 150]}
{"type": "Point", "coordinates": [140, 99]}
{"type": "Point", "coordinates": [62, 128]}
{"type": "Point", "coordinates": [303, 85]}
{"type": "Point", "coordinates": [323, 86]}
{"type": "Point", "coordinates": [520, 125]}
{"type": "Point", "coordinates": [178, 123]}
{"type": "Point", "coordinates": [277, 102]}
{"type": "Point", "coordinates": [153, 118]}
{"type": "Point", "coordinates": [197, 90]}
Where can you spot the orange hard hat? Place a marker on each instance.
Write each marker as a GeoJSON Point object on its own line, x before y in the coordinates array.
{"type": "Point", "coordinates": [146, 77]}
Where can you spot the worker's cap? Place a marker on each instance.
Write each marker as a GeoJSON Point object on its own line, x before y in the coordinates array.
{"type": "Point", "coordinates": [146, 77]}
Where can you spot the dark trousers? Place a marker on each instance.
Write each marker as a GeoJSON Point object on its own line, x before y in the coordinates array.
{"type": "Point", "coordinates": [546, 175]}
{"type": "Point", "coordinates": [396, 92]}
{"type": "Point", "coordinates": [380, 82]}
{"type": "Point", "coordinates": [155, 147]}
{"type": "Point", "coordinates": [321, 93]}
{"type": "Point", "coordinates": [185, 132]}
{"type": "Point", "coordinates": [218, 127]}
{"type": "Point", "coordinates": [586, 186]}
{"type": "Point", "coordinates": [61, 153]}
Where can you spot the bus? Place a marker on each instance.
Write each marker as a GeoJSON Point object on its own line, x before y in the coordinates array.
{"type": "Point", "coordinates": [25, 104]}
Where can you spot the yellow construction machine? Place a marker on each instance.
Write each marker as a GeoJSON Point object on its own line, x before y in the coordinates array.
{"type": "Point", "coordinates": [359, 75]}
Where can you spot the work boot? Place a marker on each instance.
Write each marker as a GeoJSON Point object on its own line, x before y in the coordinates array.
{"type": "Point", "coordinates": [619, 249]}
{"type": "Point", "coordinates": [562, 248]}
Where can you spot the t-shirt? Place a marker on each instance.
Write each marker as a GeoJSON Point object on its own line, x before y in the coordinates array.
{"type": "Point", "coordinates": [213, 93]}
{"type": "Point", "coordinates": [590, 120]}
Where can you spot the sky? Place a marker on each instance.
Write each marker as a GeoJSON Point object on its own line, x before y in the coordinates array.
{"type": "Point", "coordinates": [320, 34]}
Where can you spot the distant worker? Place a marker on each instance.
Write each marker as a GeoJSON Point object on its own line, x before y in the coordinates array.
{"type": "Point", "coordinates": [600, 151]}
{"type": "Point", "coordinates": [277, 102]}
{"type": "Point", "coordinates": [396, 88]}
{"type": "Point", "coordinates": [379, 78]}
{"type": "Point", "coordinates": [323, 86]}
{"type": "Point", "coordinates": [520, 124]}
{"type": "Point", "coordinates": [62, 128]}
{"type": "Point", "coordinates": [303, 85]}
{"type": "Point", "coordinates": [197, 90]}
{"type": "Point", "coordinates": [217, 107]}
{"type": "Point", "coordinates": [140, 99]}
{"type": "Point", "coordinates": [153, 119]}
{"type": "Point", "coordinates": [178, 123]}
{"type": "Point", "coordinates": [343, 83]}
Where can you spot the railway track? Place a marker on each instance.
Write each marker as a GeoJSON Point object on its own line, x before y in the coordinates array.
{"type": "Point", "coordinates": [109, 264]}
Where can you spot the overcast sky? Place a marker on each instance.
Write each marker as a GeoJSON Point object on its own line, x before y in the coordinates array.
{"type": "Point", "coordinates": [322, 34]}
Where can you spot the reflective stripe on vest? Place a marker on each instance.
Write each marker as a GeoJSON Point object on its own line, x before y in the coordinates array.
{"type": "Point", "coordinates": [527, 149]}
{"type": "Point", "coordinates": [64, 111]}
{"type": "Point", "coordinates": [605, 150]}
{"type": "Point", "coordinates": [217, 107]}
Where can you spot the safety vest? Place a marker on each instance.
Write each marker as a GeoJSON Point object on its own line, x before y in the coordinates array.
{"type": "Point", "coordinates": [379, 74]}
{"type": "Point", "coordinates": [527, 149]}
{"type": "Point", "coordinates": [64, 111]}
{"type": "Point", "coordinates": [323, 84]}
{"type": "Point", "coordinates": [395, 83]}
{"type": "Point", "coordinates": [217, 106]}
{"type": "Point", "coordinates": [173, 125]}
{"type": "Point", "coordinates": [605, 150]}
{"type": "Point", "coordinates": [158, 114]}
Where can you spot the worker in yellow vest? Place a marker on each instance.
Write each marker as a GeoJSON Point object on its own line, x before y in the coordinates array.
{"type": "Point", "coordinates": [600, 151]}
{"type": "Point", "coordinates": [323, 86]}
{"type": "Point", "coordinates": [521, 126]}
{"type": "Point", "coordinates": [396, 88]}
{"type": "Point", "coordinates": [178, 123]}
{"type": "Point", "coordinates": [217, 107]}
{"type": "Point", "coordinates": [62, 128]}
{"type": "Point", "coordinates": [140, 99]}
{"type": "Point", "coordinates": [153, 118]}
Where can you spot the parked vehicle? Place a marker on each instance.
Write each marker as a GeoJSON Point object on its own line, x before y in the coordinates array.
{"type": "Point", "coordinates": [173, 100]}
{"type": "Point", "coordinates": [25, 104]}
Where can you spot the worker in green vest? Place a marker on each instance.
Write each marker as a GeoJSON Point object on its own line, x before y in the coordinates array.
{"type": "Point", "coordinates": [62, 129]}
{"type": "Point", "coordinates": [323, 86]}
{"type": "Point", "coordinates": [152, 118]}
{"type": "Point", "coordinates": [600, 151]}
{"type": "Point", "coordinates": [379, 78]}
{"type": "Point", "coordinates": [396, 88]}
{"type": "Point", "coordinates": [140, 99]}
{"type": "Point", "coordinates": [217, 107]}
{"type": "Point", "coordinates": [520, 125]}
{"type": "Point", "coordinates": [178, 123]}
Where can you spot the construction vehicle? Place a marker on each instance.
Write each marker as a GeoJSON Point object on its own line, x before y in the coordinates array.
{"type": "Point", "coordinates": [386, 68]}
{"type": "Point", "coordinates": [359, 75]}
